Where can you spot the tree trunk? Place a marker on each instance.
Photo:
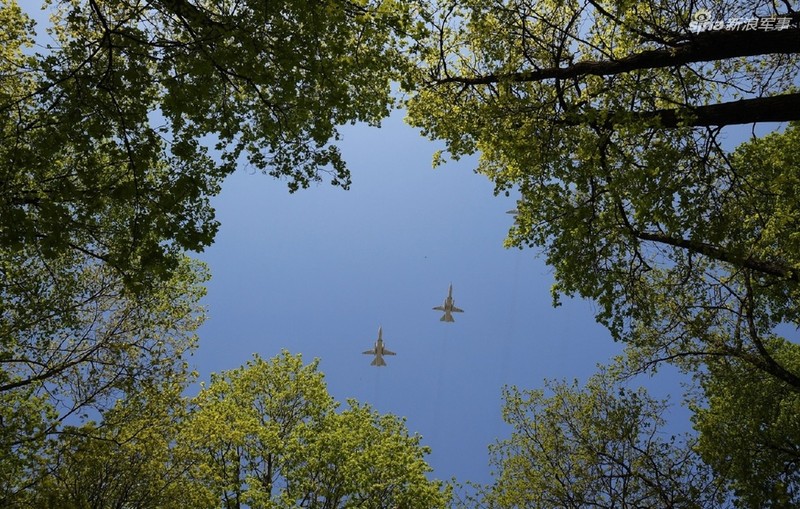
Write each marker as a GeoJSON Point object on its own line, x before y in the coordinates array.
{"type": "Point", "coordinates": [779, 108]}
{"type": "Point", "coordinates": [703, 47]}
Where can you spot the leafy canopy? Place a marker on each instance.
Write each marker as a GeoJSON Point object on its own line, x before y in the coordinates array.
{"type": "Point", "coordinates": [749, 430]}
{"type": "Point", "coordinates": [119, 119]}
{"type": "Point", "coordinates": [265, 435]}
{"type": "Point", "coordinates": [268, 435]}
{"type": "Point", "coordinates": [108, 129]}
{"type": "Point", "coordinates": [601, 445]}
{"type": "Point", "coordinates": [64, 360]}
{"type": "Point", "coordinates": [613, 121]}
{"type": "Point", "coordinates": [609, 119]}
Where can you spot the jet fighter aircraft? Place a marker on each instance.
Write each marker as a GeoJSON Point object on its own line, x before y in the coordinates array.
{"type": "Point", "coordinates": [379, 351]}
{"type": "Point", "coordinates": [448, 307]}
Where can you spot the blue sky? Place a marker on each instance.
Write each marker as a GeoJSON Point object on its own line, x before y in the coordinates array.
{"type": "Point", "coordinates": [317, 272]}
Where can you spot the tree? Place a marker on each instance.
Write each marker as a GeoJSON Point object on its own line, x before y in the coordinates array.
{"type": "Point", "coordinates": [263, 435]}
{"type": "Point", "coordinates": [602, 445]}
{"type": "Point", "coordinates": [612, 120]}
{"type": "Point", "coordinates": [360, 458]}
{"type": "Point", "coordinates": [79, 349]}
{"type": "Point", "coordinates": [267, 435]}
{"type": "Point", "coordinates": [609, 118]}
{"type": "Point", "coordinates": [106, 134]}
{"type": "Point", "coordinates": [750, 431]}
{"type": "Point", "coordinates": [125, 460]}
{"type": "Point", "coordinates": [63, 361]}
{"type": "Point", "coordinates": [115, 134]}
{"type": "Point", "coordinates": [24, 415]}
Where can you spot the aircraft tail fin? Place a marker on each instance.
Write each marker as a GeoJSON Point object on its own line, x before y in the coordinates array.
{"type": "Point", "coordinates": [447, 317]}
{"type": "Point", "coordinates": [378, 361]}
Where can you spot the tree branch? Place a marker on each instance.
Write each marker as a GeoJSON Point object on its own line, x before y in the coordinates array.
{"type": "Point", "coordinates": [703, 47]}
{"type": "Point", "coordinates": [764, 361]}
{"type": "Point", "coordinates": [720, 254]}
{"type": "Point", "coordinates": [779, 108]}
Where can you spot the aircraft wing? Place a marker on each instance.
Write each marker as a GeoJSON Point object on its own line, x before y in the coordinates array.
{"type": "Point", "coordinates": [369, 352]}
{"type": "Point", "coordinates": [439, 308]}
{"type": "Point", "coordinates": [457, 310]}
{"type": "Point", "coordinates": [388, 352]}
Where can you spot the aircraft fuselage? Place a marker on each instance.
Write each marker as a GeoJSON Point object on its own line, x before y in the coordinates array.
{"type": "Point", "coordinates": [448, 307]}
